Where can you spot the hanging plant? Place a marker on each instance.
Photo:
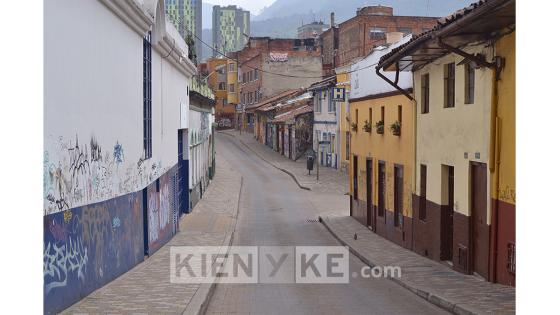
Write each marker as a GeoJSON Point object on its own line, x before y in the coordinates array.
{"type": "Point", "coordinates": [367, 126]}
{"type": "Point", "coordinates": [354, 126]}
{"type": "Point", "coordinates": [396, 128]}
{"type": "Point", "coordinates": [380, 127]}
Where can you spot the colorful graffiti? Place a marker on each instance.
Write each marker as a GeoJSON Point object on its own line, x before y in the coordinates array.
{"type": "Point", "coordinates": [160, 211]}
{"type": "Point", "coordinates": [224, 120]}
{"type": "Point", "coordinates": [75, 174]}
{"type": "Point", "coordinates": [86, 247]}
{"type": "Point", "coordinates": [303, 134]}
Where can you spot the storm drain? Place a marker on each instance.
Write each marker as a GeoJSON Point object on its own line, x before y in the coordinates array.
{"type": "Point", "coordinates": [312, 220]}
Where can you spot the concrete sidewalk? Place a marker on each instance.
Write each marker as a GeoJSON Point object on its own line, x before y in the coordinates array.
{"type": "Point", "coordinates": [439, 284]}
{"type": "Point", "coordinates": [147, 288]}
{"type": "Point", "coordinates": [331, 181]}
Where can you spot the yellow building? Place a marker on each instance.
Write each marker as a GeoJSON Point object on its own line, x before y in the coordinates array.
{"type": "Point", "coordinates": [457, 70]}
{"type": "Point", "coordinates": [381, 124]}
{"type": "Point", "coordinates": [217, 76]}
{"type": "Point", "coordinates": [382, 165]}
{"type": "Point", "coordinates": [503, 171]}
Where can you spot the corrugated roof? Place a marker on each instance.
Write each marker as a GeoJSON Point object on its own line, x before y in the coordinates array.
{"type": "Point", "coordinates": [273, 98]}
{"type": "Point", "coordinates": [289, 115]}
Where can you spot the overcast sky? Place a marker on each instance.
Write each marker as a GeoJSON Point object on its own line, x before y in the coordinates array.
{"type": "Point", "coordinates": [255, 6]}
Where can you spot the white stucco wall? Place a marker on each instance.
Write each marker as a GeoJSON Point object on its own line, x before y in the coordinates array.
{"type": "Point", "coordinates": [93, 118]}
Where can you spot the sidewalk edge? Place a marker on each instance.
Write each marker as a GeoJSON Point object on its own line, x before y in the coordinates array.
{"type": "Point", "coordinates": [201, 299]}
{"type": "Point", "coordinates": [274, 165]}
{"type": "Point", "coordinates": [435, 299]}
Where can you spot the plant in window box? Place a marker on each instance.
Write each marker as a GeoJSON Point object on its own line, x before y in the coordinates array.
{"type": "Point", "coordinates": [354, 126]}
{"type": "Point", "coordinates": [396, 128]}
{"type": "Point", "coordinates": [367, 126]}
{"type": "Point", "coordinates": [380, 127]}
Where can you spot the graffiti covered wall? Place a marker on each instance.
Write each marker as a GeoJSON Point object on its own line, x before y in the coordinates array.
{"type": "Point", "coordinates": [162, 211]}
{"type": "Point", "coordinates": [303, 134]}
{"type": "Point", "coordinates": [86, 247]}
{"type": "Point", "coordinates": [78, 172]}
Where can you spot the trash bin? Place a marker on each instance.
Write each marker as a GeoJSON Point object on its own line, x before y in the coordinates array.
{"type": "Point", "coordinates": [310, 162]}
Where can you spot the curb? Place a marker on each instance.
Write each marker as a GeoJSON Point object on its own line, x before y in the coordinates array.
{"type": "Point", "coordinates": [435, 299]}
{"type": "Point", "coordinates": [201, 299]}
{"type": "Point", "coordinates": [273, 165]}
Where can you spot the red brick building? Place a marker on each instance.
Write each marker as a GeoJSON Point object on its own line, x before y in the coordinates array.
{"type": "Point", "coordinates": [268, 66]}
{"type": "Point", "coordinates": [354, 38]}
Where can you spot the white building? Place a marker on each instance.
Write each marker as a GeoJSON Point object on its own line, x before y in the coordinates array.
{"type": "Point", "coordinates": [325, 122]}
{"type": "Point", "coordinates": [201, 139]}
{"type": "Point", "coordinates": [115, 107]}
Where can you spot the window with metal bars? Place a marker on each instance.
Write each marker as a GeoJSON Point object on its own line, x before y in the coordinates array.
{"type": "Point", "coordinates": [147, 95]}
{"type": "Point", "coordinates": [425, 97]}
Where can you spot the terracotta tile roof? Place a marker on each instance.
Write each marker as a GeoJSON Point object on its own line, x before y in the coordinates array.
{"type": "Point", "coordinates": [482, 8]}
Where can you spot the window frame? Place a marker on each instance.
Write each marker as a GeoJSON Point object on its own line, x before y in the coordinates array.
{"type": "Point", "coordinates": [470, 86]}
{"type": "Point", "coordinates": [449, 85]}
{"type": "Point", "coordinates": [147, 95]}
{"type": "Point", "coordinates": [425, 93]}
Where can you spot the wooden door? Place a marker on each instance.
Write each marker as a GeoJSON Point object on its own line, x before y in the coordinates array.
{"type": "Point", "coordinates": [381, 189]}
{"type": "Point", "coordinates": [480, 230]}
{"type": "Point", "coordinates": [447, 217]}
{"type": "Point", "coordinates": [369, 201]}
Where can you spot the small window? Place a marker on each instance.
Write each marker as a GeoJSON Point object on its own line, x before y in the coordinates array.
{"type": "Point", "coordinates": [400, 114]}
{"type": "Point", "coordinates": [256, 74]}
{"type": "Point", "coordinates": [222, 86]}
{"type": "Point", "coordinates": [231, 88]}
{"type": "Point", "coordinates": [383, 113]}
{"type": "Point", "coordinates": [449, 85]}
{"type": "Point", "coordinates": [357, 121]}
{"type": "Point", "coordinates": [317, 100]}
{"type": "Point", "coordinates": [425, 97]}
{"type": "Point", "coordinates": [370, 116]}
{"type": "Point", "coordinates": [231, 67]}
{"type": "Point", "coordinates": [469, 83]}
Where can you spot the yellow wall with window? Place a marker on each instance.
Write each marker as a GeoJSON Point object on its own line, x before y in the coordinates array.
{"type": "Point", "coordinates": [385, 147]}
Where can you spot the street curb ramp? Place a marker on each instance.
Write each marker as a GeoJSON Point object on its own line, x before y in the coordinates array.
{"type": "Point", "coordinates": [435, 299]}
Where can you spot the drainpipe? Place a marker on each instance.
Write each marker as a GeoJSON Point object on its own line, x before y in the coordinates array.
{"type": "Point", "coordinates": [494, 162]}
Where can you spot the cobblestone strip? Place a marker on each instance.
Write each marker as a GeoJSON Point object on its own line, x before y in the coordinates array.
{"type": "Point", "coordinates": [146, 289]}
{"type": "Point", "coordinates": [455, 292]}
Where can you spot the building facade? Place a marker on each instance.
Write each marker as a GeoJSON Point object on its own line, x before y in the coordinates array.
{"type": "Point", "coordinates": [325, 122]}
{"type": "Point", "coordinates": [231, 28]}
{"type": "Point", "coordinates": [186, 16]}
{"type": "Point", "coordinates": [459, 73]}
{"type": "Point", "coordinates": [269, 66]}
{"type": "Point", "coordinates": [382, 151]}
{"type": "Point", "coordinates": [200, 139]}
{"type": "Point", "coordinates": [112, 129]}
{"type": "Point", "coordinates": [311, 30]}
{"type": "Point", "coordinates": [219, 78]}
{"type": "Point", "coordinates": [355, 38]}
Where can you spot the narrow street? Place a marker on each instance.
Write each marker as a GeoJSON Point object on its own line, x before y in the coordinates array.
{"type": "Point", "coordinates": [274, 211]}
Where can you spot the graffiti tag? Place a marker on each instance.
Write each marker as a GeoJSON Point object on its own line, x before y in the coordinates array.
{"type": "Point", "coordinates": [60, 261]}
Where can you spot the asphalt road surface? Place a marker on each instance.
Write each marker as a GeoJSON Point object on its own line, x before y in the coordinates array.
{"type": "Point", "coordinates": [274, 211]}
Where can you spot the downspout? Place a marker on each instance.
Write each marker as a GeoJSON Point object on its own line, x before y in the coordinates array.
{"type": "Point", "coordinates": [494, 161]}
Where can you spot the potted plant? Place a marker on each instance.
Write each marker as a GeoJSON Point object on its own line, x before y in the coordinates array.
{"type": "Point", "coordinates": [396, 128]}
{"type": "Point", "coordinates": [380, 127]}
{"type": "Point", "coordinates": [367, 126]}
{"type": "Point", "coordinates": [354, 126]}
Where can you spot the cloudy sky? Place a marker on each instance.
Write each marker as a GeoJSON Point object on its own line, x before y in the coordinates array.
{"type": "Point", "coordinates": [252, 5]}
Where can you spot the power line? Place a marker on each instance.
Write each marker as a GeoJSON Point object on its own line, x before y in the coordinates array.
{"type": "Point", "coordinates": [279, 74]}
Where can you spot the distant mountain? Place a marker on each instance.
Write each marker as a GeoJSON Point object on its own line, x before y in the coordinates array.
{"type": "Point", "coordinates": [283, 17]}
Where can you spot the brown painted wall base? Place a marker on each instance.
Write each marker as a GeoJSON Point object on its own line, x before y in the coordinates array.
{"type": "Point", "coordinates": [384, 224]}
{"type": "Point", "coordinates": [506, 235]}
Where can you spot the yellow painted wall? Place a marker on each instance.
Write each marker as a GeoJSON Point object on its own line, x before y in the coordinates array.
{"type": "Point", "coordinates": [505, 47]}
{"type": "Point", "coordinates": [444, 135]}
{"type": "Point", "coordinates": [387, 147]}
{"type": "Point", "coordinates": [232, 97]}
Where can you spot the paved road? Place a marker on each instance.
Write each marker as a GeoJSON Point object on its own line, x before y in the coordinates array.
{"type": "Point", "coordinates": [275, 212]}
